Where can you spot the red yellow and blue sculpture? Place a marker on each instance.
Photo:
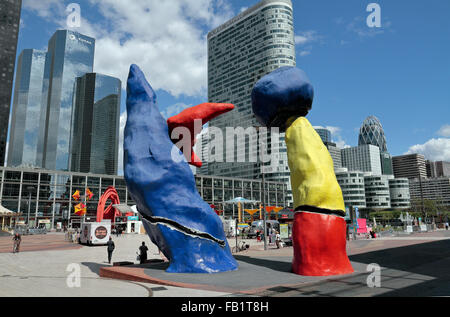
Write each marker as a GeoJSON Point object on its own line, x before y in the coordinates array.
{"type": "Point", "coordinates": [282, 99]}
{"type": "Point", "coordinates": [178, 221]}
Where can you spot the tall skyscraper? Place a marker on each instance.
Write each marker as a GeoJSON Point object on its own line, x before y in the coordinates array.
{"type": "Point", "coordinates": [240, 52]}
{"type": "Point", "coordinates": [70, 55]}
{"type": "Point", "coordinates": [371, 132]}
{"type": "Point", "coordinates": [26, 109]}
{"type": "Point", "coordinates": [9, 31]}
{"type": "Point", "coordinates": [409, 166]}
{"type": "Point", "coordinates": [95, 124]}
{"type": "Point", "coordinates": [365, 158]}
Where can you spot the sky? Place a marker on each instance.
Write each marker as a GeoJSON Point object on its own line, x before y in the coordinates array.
{"type": "Point", "coordinates": [399, 72]}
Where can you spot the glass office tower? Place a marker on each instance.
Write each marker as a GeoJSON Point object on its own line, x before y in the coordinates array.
{"type": "Point", "coordinates": [9, 31]}
{"type": "Point", "coordinates": [70, 55]}
{"type": "Point", "coordinates": [371, 132]}
{"type": "Point", "coordinates": [240, 52]}
{"type": "Point", "coordinates": [26, 109]}
{"type": "Point", "coordinates": [95, 124]}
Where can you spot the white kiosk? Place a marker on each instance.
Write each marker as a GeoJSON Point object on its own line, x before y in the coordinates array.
{"type": "Point", "coordinates": [133, 223]}
{"type": "Point", "coordinates": [95, 233]}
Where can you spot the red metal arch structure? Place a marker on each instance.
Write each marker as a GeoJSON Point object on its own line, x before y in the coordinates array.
{"type": "Point", "coordinates": [110, 212]}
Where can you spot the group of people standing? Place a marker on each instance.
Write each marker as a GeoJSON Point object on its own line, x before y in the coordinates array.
{"type": "Point", "coordinates": [273, 234]}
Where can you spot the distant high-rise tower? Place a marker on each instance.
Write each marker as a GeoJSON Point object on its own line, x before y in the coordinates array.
{"type": "Point", "coordinates": [9, 31]}
{"type": "Point", "coordinates": [240, 52]}
{"type": "Point", "coordinates": [24, 129]}
{"type": "Point", "coordinates": [371, 132]}
{"type": "Point", "coordinates": [70, 55]}
{"type": "Point", "coordinates": [95, 124]}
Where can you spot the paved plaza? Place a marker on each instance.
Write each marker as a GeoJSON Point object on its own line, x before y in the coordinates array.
{"type": "Point", "coordinates": [413, 265]}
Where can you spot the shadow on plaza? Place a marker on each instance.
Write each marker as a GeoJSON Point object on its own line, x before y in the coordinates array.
{"type": "Point", "coordinates": [431, 259]}
{"type": "Point", "coordinates": [280, 266]}
{"type": "Point", "coordinates": [426, 266]}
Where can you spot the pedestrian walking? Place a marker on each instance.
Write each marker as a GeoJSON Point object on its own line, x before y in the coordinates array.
{"type": "Point", "coordinates": [278, 240]}
{"type": "Point", "coordinates": [143, 253]}
{"type": "Point", "coordinates": [446, 226]}
{"type": "Point", "coordinates": [17, 239]}
{"type": "Point", "coordinates": [110, 249]}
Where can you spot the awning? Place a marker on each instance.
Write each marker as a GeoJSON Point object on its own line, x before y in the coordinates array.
{"type": "Point", "coordinates": [6, 212]}
{"type": "Point", "coordinates": [124, 208]}
{"type": "Point", "coordinates": [241, 200]}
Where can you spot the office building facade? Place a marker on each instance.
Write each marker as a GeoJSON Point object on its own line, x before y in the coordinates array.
{"type": "Point", "coordinates": [70, 55]}
{"type": "Point", "coordinates": [24, 130]}
{"type": "Point", "coordinates": [47, 195]}
{"type": "Point", "coordinates": [435, 189]}
{"type": "Point", "coordinates": [9, 31]}
{"type": "Point", "coordinates": [352, 186]}
{"type": "Point", "coordinates": [95, 124]}
{"type": "Point", "coordinates": [399, 193]}
{"type": "Point", "coordinates": [365, 158]}
{"type": "Point", "coordinates": [438, 169]}
{"type": "Point", "coordinates": [378, 195]}
{"type": "Point", "coordinates": [240, 52]}
{"type": "Point", "coordinates": [336, 155]}
{"type": "Point", "coordinates": [409, 166]}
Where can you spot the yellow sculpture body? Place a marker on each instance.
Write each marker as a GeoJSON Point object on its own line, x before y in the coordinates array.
{"type": "Point", "coordinates": [312, 175]}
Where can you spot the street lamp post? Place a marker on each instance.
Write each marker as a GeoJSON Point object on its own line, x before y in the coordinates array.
{"type": "Point", "coordinates": [29, 188]}
{"type": "Point", "coordinates": [421, 192]}
{"type": "Point", "coordinates": [264, 207]}
{"type": "Point", "coordinates": [263, 143]}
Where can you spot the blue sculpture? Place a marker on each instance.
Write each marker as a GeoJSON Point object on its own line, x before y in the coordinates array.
{"type": "Point", "coordinates": [177, 220]}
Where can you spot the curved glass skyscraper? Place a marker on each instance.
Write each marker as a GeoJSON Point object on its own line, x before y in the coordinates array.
{"type": "Point", "coordinates": [371, 132]}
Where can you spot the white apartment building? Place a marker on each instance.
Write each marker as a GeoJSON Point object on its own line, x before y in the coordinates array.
{"type": "Point", "coordinates": [365, 158]}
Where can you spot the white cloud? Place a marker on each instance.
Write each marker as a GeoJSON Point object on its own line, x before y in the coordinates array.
{"type": "Point", "coordinates": [45, 8]}
{"type": "Point", "coordinates": [359, 26]}
{"type": "Point", "coordinates": [444, 131]}
{"type": "Point", "coordinates": [434, 149]}
{"type": "Point", "coordinates": [336, 136]}
{"type": "Point", "coordinates": [304, 40]}
{"type": "Point", "coordinates": [306, 37]}
{"type": "Point", "coordinates": [167, 39]}
{"type": "Point", "coordinates": [304, 53]}
{"type": "Point", "coordinates": [174, 110]}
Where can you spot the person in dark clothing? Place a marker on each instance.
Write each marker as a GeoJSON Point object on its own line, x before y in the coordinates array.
{"type": "Point", "coordinates": [17, 239]}
{"type": "Point", "coordinates": [143, 253]}
{"type": "Point", "coordinates": [110, 249]}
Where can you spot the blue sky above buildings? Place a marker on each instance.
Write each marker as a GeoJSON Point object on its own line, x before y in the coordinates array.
{"type": "Point", "coordinates": [400, 72]}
